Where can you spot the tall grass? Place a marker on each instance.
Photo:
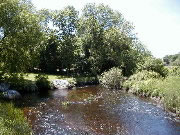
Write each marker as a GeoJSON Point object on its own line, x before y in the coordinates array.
{"type": "Point", "coordinates": [171, 91]}
{"type": "Point", "coordinates": [167, 89]}
{"type": "Point", "coordinates": [12, 121]}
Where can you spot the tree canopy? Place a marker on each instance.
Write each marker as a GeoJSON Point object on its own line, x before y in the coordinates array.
{"type": "Point", "coordinates": [20, 34]}
{"type": "Point", "coordinates": [63, 40]}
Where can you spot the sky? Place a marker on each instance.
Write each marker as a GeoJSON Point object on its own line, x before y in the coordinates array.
{"type": "Point", "coordinates": [157, 22]}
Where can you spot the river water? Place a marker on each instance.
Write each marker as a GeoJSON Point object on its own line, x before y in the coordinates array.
{"type": "Point", "coordinates": [95, 111]}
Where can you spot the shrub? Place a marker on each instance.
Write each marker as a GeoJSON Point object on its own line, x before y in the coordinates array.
{"type": "Point", "coordinates": [150, 84]}
{"type": "Point", "coordinates": [42, 82]}
{"type": "Point", "coordinates": [144, 83]}
{"type": "Point", "coordinates": [139, 77]}
{"type": "Point", "coordinates": [81, 81]}
{"type": "Point", "coordinates": [17, 82]}
{"type": "Point", "coordinates": [144, 75]}
{"type": "Point", "coordinates": [72, 82]}
{"type": "Point", "coordinates": [153, 64]}
{"type": "Point", "coordinates": [30, 86]}
{"type": "Point", "coordinates": [173, 70]}
{"type": "Point", "coordinates": [112, 79]}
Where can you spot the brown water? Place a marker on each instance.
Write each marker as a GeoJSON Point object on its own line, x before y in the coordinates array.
{"type": "Point", "coordinates": [95, 111]}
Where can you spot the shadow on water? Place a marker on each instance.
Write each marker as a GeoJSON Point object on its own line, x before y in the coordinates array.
{"type": "Point", "coordinates": [96, 111]}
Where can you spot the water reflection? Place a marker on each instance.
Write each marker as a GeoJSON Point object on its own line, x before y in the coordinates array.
{"type": "Point", "coordinates": [93, 110]}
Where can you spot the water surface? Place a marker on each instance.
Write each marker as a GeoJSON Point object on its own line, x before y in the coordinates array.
{"type": "Point", "coordinates": [95, 111]}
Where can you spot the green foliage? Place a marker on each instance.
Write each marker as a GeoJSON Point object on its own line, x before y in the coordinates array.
{"type": "Point", "coordinates": [112, 79]}
{"type": "Point", "coordinates": [171, 91]}
{"type": "Point", "coordinates": [12, 121]}
{"type": "Point", "coordinates": [21, 35]}
{"type": "Point", "coordinates": [49, 55]}
{"type": "Point", "coordinates": [106, 39]}
{"type": "Point", "coordinates": [153, 64]}
{"type": "Point", "coordinates": [18, 82]}
{"type": "Point", "coordinates": [66, 22]}
{"type": "Point", "coordinates": [143, 83]}
{"type": "Point", "coordinates": [144, 75]}
{"type": "Point", "coordinates": [172, 60]}
{"type": "Point", "coordinates": [91, 43]}
{"type": "Point", "coordinates": [151, 84]}
{"type": "Point", "coordinates": [81, 81]}
{"type": "Point", "coordinates": [174, 71]}
{"type": "Point", "coordinates": [42, 82]}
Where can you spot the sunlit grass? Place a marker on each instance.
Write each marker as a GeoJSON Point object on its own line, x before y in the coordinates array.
{"type": "Point", "coordinates": [12, 121]}
{"type": "Point", "coordinates": [171, 91]}
{"type": "Point", "coordinates": [31, 76]}
{"type": "Point", "coordinates": [168, 89]}
{"type": "Point", "coordinates": [79, 80]}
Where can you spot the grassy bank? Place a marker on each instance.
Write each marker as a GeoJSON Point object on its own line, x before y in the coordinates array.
{"type": "Point", "coordinates": [150, 84]}
{"type": "Point", "coordinates": [31, 76]}
{"type": "Point", "coordinates": [12, 121]}
{"type": "Point", "coordinates": [31, 82]}
{"type": "Point", "coordinates": [78, 80]}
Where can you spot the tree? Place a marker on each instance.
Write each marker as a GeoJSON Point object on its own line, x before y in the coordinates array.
{"type": "Point", "coordinates": [172, 60]}
{"type": "Point", "coordinates": [152, 64]}
{"type": "Point", "coordinates": [66, 21]}
{"type": "Point", "coordinates": [20, 35]}
{"type": "Point", "coordinates": [49, 55]}
{"type": "Point", "coordinates": [107, 38]}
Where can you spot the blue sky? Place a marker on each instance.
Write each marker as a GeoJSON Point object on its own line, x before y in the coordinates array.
{"type": "Point", "coordinates": [157, 22]}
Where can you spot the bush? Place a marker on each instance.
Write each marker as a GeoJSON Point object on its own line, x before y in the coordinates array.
{"type": "Point", "coordinates": [30, 86]}
{"type": "Point", "coordinates": [153, 64]}
{"type": "Point", "coordinates": [139, 77]}
{"type": "Point", "coordinates": [17, 82]}
{"type": "Point", "coordinates": [72, 82]}
{"type": "Point", "coordinates": [144, 83]}
{"type": "Point", "coordinates": [112, 79]}
{"type": "Point", "coordinates": [42, 82]}
{"type": "Point", "coordinates": [81, 81]}
{"type": "Point", "coordinates": [173, 70]}
{"type": "Point", "coordinates": [144, 75]}
{"type": "Point", "coordinates": [150, 84]}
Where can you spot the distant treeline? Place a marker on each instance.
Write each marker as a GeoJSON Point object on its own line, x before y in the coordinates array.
{"type": "Point", "coordinates": [172, 60]}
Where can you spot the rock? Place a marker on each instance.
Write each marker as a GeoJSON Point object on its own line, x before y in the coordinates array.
{"type": "Point", "coordinates": [11, 94]}
{"type": "Point", "coordinates": [4, 87]}
{"type": "Point", "coordinates": [60, 84]}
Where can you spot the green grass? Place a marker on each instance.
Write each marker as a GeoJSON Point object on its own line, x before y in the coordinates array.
{"type": "Point", "coordinates": [79, 80]}
{"type": "Point", "coordinates": [12, 120]}
{"type": "Point", "coordinates": [173, 70]}
{"type": "Point", "coordinates": [171, 91]}
{"type": "Point", "coordinates": [168, 89]}
{"type": "Point", "coordinates": [31, 76]}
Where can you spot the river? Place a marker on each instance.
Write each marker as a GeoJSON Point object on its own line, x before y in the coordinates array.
{"type": "Point", "coordinates": [95, 111]}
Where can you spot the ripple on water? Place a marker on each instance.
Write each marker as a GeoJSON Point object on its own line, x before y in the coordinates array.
{"type": "Point", "coordinates": [92, 110]}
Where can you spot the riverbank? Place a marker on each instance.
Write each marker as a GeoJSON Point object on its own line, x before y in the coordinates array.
{"type": "Point", "coordinates": [165, 91]}
{"type": "Point", "coordinates": [12, 120]}
{"type": "Point", "coordinates": [146, 84]}
{"type": "Point", "coordinates": [33, 82]}
{"type": "Point", "coordinates": [79, 81]}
